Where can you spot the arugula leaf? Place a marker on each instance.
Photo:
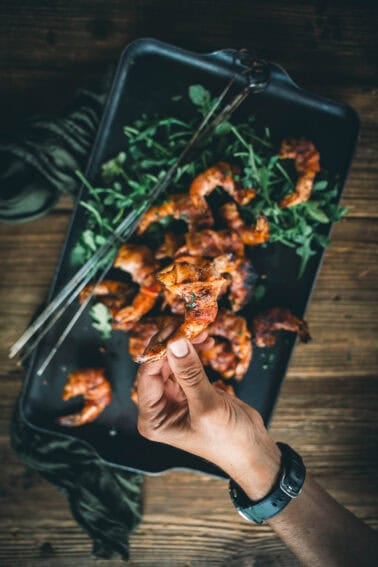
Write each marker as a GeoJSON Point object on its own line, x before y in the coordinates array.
{"type": "Point", "coordinates": [320, 185]}
{"type": "Point", "coordinates": [199, 96]}
{"type": "Point", "coordinates": [78, 255]}
{"type": "Point", "coordinates": [259, 292]}
{"type": "Point", "coordinates": [315, 212]}
{"type": "Point", "coordinates": [101, 320]}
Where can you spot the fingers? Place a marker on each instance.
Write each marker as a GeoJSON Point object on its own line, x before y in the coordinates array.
{"type": "Point", "coordinates": [150, 385]}
{"type": "Point", "coordinates": [190, 374]}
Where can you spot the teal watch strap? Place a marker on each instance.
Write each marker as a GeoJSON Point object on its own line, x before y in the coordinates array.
{"type": "Point", "coordinates": [287, 487]}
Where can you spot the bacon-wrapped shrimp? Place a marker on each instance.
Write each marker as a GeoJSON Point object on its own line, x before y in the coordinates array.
{"type": "Point", "coordinates": [275, 319]}
{"type": "Point", "coordinates": [115, 295]}
{"type": "Point", "coordinates": [234, 329]}
{"type": "Point", "coordinates": [180, 207]}
{"type": "Point", "coordinates": [250, 235]}
{"type": "Point", "coordinates": [200, 286]}
{"type": "Point", "coordinates": [139, 262]}
{"type": "Point", "coordinates": [96, 390]}
{"type": "Point", "coordinates": [221, 174]}
{"type": "Point", "coordinates": [242, 278]}
{"type": "Point", "coordinates": [307, 165]}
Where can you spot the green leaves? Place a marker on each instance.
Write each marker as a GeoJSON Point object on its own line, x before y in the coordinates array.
{"type": "Point", "coordinates": [259, 292]}
{"type": "Point", "coordinates": [200, 97]}
{"type": "Point", "coordinates": [153, 143]}
{"type": "Point", "coordinates": [315, 212]}
{"type": "Point", "coordinates": [101, 319]}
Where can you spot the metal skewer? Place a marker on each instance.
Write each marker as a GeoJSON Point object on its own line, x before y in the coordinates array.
{"type": "Point", "coordinates": [70, 326]}
{"type": "Point", "coordinates": [68, 292]}
{"type": "Point", "coordinates": [83, 275]}
{"type": "Point", "coordinates": [125, 229]}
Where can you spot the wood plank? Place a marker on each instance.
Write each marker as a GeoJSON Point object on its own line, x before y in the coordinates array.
{"type": "Point", "coordinates": [218, 535]}
{"type": "Point", "coordinates": [341, 40]}
{"type": "Point", "coordinates": [328, 403]}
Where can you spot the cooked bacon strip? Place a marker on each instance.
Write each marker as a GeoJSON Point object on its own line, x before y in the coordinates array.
{"type": "Point", "coordinates": [219, 175]}
{"type": "Point", "coordinates": [95, 388]}
{"type": "Point", "coordinates": [275, 319]}
{"type": "Point", "coordinates": [307, 165]}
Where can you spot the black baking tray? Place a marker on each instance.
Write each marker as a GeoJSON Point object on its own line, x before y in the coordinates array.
{"type": "Point", "coordinates": [148, 75]}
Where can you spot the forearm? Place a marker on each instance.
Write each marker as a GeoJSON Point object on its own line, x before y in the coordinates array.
{"type": "Point", "coordinates": [321, 532]}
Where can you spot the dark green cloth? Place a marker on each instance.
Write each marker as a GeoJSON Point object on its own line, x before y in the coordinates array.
{"type": "Point", "coordinates": [35, 167]}
{"type": "Point", "coordinates": [38, 163]}
{"type": "Point", "coordinates": [105, 501]}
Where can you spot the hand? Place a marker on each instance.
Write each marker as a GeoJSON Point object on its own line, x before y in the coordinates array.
{"type": "Point", "coordinates": [179, 406]}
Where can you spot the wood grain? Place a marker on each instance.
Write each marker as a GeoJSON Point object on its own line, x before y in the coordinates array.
{"type": "Point", "coordinates": [328, 403]}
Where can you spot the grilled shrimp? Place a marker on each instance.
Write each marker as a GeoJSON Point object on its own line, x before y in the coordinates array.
{"type": "Point", "coordinates": [219, 175]}
{"type": "Point", "coordinates": [212, 243]}
{"type": "Point", "coordinates": [115, 295]}
{"type": "Point", "coordinates": [172, 242]}
{"type": "Point", "coordinates": [139, 262]}
{"type": "Point", "coordinates": [200, 286]}
{"type": "Point", "coordinates": [234, 329]}
{"type": "Point", "coordinates": [95, 388]}
{"type": "Point", "coordinates": [143, 331]}
{"type": "Point", "coordinates": [180, 207]}
{"type": "Point", "coordinates": [276, 319]}
{"type": "Point", "coordinates": [307, 165]}
{"type": "Point", "coordinates": [250, 235]}
{"type": "Point", "coordinates": [242, 278]}
{"type": "Point", "coordinates": [219, 357]}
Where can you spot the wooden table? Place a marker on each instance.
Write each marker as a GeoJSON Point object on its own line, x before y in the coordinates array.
{"type": "Point", "coordinates": [328, 406]}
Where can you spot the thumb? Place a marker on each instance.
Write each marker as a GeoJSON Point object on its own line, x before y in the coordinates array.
{"type": "Point", "coordinates": [190, 374]}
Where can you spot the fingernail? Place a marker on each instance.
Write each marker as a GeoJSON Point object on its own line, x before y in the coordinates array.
{"type": "Point", "coordinates": [179, 348]}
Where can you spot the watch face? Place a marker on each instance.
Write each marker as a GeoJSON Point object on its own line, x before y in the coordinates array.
{"type": "Point", "coordinates": [292, 478]}
{"type": "Point", "coordinates": [288, 489]}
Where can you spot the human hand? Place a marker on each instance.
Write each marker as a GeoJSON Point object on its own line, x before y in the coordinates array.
{"type": "Point", "coordinates": [179, 406]}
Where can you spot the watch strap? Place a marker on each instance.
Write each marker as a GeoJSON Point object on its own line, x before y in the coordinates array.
{"type": "Point", "coordinates": [288, 486]}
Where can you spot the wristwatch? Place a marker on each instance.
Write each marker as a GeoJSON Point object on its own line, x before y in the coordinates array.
{"type": "Point", "coordinates": [288, 486]}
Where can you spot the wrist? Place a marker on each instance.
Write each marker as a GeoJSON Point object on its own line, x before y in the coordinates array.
{"type": "Point", "coordinates": [256, 471]}
{"type": "Point", "coordinates": [258, 480]}
{"type": "Point", "coordinates": [288, 485]}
